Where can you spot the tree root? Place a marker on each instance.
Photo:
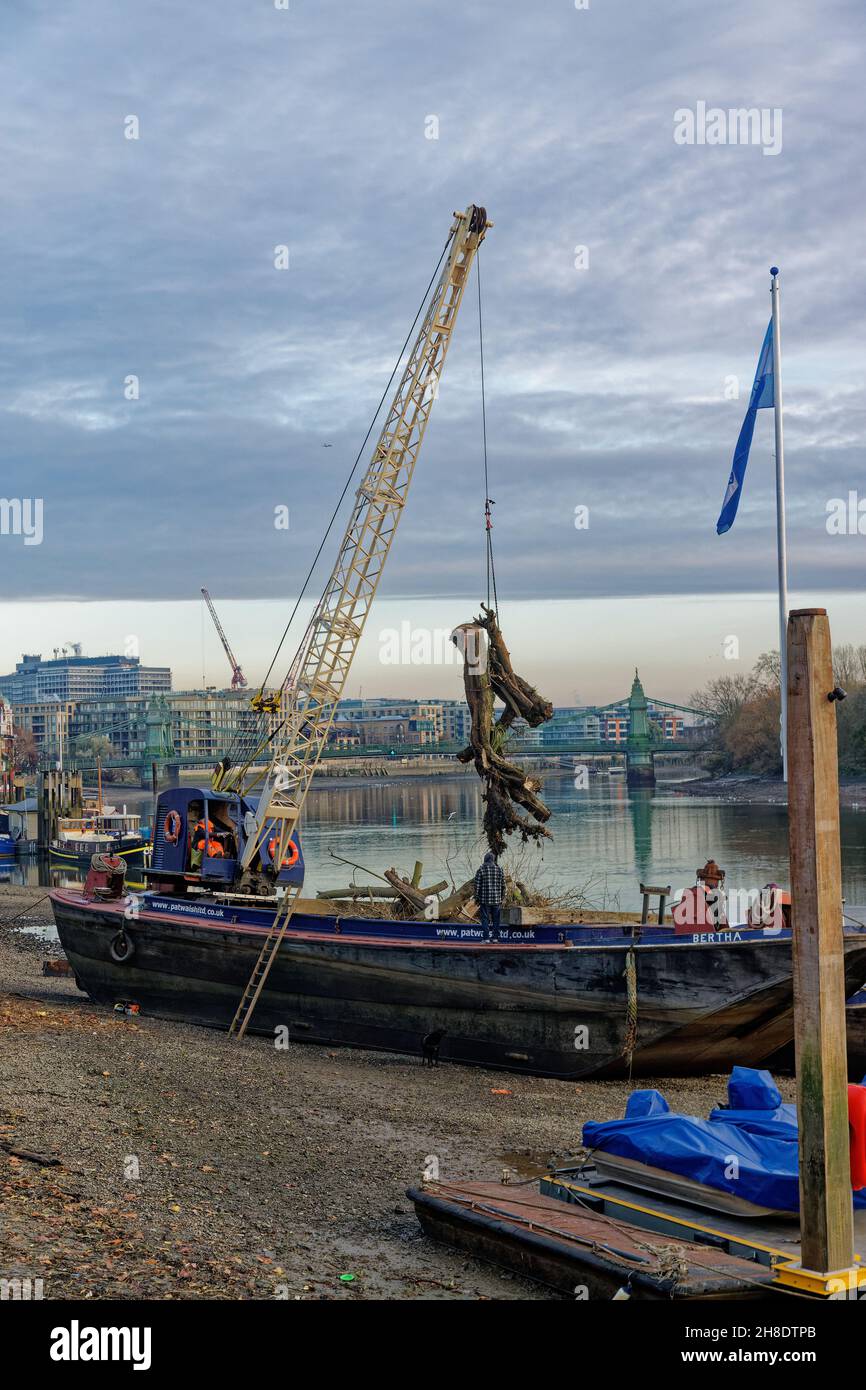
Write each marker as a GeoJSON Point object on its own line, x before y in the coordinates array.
{"type": "Point", "coordinates": [488, 674]}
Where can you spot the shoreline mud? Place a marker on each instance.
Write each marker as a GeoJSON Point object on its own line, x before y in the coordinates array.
{"type": "Point", "coordinates": [192, 1167]}
{"type": "Point", "coordinates": [763, 791]}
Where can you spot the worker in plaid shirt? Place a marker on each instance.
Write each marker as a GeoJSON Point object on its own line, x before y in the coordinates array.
{"type": "Point", "coordinates": [489, 893]}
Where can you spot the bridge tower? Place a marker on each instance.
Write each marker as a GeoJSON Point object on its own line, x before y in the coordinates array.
{"type": "Point", "coordinates": [641, 772]}
{"type": "Point", "coordinates": [158, 723]}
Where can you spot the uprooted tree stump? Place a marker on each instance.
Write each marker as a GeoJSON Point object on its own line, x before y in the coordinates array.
{"type": "Point", "coordinates": [488, 674]}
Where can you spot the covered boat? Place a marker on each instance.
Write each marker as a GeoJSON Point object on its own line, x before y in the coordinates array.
{"type": "Point", "coordinates": [743, 1159]}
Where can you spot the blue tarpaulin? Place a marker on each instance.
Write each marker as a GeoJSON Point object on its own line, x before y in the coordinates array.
{"type": "Point", "coordinates": [755, 1101]}
{"type": "Point", "coordinates": [646, 1103]}
{"type": "Point", "coordinates": [748, 1149]}
{"type": "Point", "coordinates": [754, 1167]}
{"type": "Point", "coordinates": [750, 1089]}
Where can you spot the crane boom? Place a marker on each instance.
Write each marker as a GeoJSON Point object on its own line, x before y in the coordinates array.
{"type": "Point", "coordinates": [239, 680]}
{"type": "Point", "coordinates": [317, 678]}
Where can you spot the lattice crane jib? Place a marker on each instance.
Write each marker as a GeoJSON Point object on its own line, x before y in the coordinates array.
{"type": "Point", "coordinates": [318, 675]}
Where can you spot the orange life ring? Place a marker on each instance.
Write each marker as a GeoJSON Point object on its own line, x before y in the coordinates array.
{"type": "Point", "coordinates": [857, 1135]}
{"type": "Point", "coordinates": [292, 856]}
{"type": "Point", "coordinates": [171, 827]}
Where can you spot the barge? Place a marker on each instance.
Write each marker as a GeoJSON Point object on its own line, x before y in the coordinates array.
{"type": "Point", "coordinates": [554, 1000]}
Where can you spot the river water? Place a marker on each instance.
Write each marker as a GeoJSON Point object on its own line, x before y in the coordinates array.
{"type": "Point", "coordinates": [607, 838]}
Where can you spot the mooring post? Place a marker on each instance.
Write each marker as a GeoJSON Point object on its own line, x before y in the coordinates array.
{"type": "Point", "coordinates": [826, 1218]}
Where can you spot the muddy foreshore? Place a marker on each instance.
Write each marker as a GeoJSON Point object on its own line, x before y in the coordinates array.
{"type": "Point", "coordinates": [194, 1167]}
{"type": "Point", "coordinates": [767, 791]}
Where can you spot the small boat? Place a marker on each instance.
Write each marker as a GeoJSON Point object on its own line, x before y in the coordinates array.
{"type": "Point", "coordinates": [742, 1159]}
{"type": "Point", "coordinates": [105, 831]}
{"type": "Point", "coordinates": [665, 1206]}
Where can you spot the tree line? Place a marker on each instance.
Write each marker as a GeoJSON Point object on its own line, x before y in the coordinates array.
{"type": "Point", "coordinates": [747, 707]}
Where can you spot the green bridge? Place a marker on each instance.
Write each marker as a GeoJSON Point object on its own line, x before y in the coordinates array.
{"type": "Point", "coordinates": [640, 748]}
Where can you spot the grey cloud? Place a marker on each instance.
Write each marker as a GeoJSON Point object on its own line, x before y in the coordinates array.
{"type": "Point", "coordinates": [260, 127]}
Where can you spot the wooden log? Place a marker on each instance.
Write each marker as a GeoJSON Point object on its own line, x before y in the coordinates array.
{"type": "Point", "coordinates": [413, 896]}
{"type": "Point", "coordinates": [826, 1220]}
{"type": "Point", "coordinates": [363, 892]}
{"type": "Point", "coordinates": [455, 903]}
{"type": "Point", "coordinates": [519, 697]}
{"type": "Point", "coordinates": [360, 890]}
{"type": "Point", "coordinates": [44, 1160]}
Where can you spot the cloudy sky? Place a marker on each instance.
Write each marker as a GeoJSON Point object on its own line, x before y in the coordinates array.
{"type": "Point", "coordinates": [609, 370]}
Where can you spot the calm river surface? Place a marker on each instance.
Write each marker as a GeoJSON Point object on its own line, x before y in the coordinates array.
{"type": "Point", "coordinates": [606, 838]}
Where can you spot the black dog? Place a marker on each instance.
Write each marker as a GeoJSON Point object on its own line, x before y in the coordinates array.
{"type": "Point", "coordinates": [430, 1047]}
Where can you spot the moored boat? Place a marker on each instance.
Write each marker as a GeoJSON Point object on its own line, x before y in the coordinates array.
{"type": "Point", "coordinates": [549, 999]}
{"type": "Point", "coordinates": [664, 1206]}
{"type": "Point", "coordinates": [105, 831]}
{"type": "Point", "coordinates": [17, 828]}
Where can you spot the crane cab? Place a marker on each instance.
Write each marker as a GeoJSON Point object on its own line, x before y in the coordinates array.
{"type": "Point", "coordinates": [199, 837]}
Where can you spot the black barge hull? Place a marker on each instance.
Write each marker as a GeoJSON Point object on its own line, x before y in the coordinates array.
{"type": "Point", "coordinates": [554, 1010]}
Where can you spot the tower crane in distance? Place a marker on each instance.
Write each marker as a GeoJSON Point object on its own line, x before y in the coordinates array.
{"type": "Point", "coordinates": [239, 680]}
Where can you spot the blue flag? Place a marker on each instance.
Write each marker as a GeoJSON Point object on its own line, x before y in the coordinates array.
{"type": "Point", "coordinates": [762, 396]}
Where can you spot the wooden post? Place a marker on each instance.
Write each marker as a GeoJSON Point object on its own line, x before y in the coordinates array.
{"type": "Point", "coordinates": [826, 1219]}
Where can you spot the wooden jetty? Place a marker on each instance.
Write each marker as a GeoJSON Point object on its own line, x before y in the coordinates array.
{"type": "Point", "coordinates": [580, 1251]}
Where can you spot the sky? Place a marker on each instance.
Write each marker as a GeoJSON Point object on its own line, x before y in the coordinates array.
{"type": "Point", "coordinates": [165, 386]}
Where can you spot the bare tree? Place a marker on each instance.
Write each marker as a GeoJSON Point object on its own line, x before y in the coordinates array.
{"type": "Point", "coordinates": [767, 671]}
{"type": "Point", "coordinates": [849, 665]}
{"type": "Point", "coordinates": [723, 697]}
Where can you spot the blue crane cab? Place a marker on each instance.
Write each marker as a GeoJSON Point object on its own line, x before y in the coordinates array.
{"type": "Point", "coordinates": [199, 837]}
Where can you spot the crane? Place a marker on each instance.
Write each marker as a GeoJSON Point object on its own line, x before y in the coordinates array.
{"type": "Point", "coordinates": [239, 680]}
{"type": "Point", "coordinates": [317, 677]}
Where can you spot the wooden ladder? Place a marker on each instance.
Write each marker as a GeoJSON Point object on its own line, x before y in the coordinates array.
{"type": "Point", "coordinates": [262, 968]}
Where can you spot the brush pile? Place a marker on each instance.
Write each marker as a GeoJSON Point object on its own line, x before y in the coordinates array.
{"type": "Point", "coordinates": [404, 899]}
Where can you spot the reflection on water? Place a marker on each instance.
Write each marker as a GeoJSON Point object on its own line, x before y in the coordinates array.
{"type": "Point", "coordinates": [36, 871]}
{"type": "Point", "coordinates": [606, 837]}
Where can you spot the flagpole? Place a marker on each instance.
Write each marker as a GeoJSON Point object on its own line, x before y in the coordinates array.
{"type": "Point", "coordinates": [781, 546]}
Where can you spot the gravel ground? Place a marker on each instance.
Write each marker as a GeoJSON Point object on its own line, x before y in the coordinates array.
{"type": "Point", "coordinates": [192, 1167]}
